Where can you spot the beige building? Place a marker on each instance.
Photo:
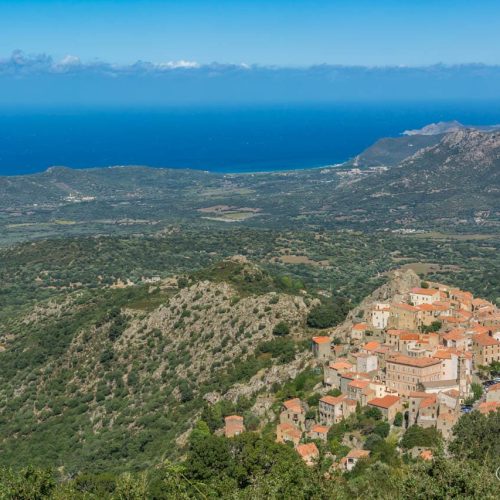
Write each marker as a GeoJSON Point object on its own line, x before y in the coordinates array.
{"type": "Point", "coordinates": [333, 372]}
{"type": "Point", "coordinates": [404, 317]}
{"type": "Point", "coordinates": [321, 348]}
{"type": "Point", "coordinates": [293, 412]}
{"type": "Point", "coordinates": [351, 459]}
{"type": "Point", "coordinates": [320, 432]}
{"type": "Point", "coordinates": [405, 374]}
{"type": "Point", "coordinates": [388, 405]}
{"type": "Point", "coordinates": [308, 452]}
{"type": "Point", "coordinates": [419, 296]}
{"type": "Point", "coordinates": [493, 393]}
{"type": "Point", "coordinates": [233, 426]}
{"type": "Point", "coordinates": [333, 409]}
{"type": "Point", "coordinates": [358, 330]}
{"type": "Point", "coordinates": [486, 349]}
{"type": "Point", "coordinates": [380, 316]}
{"type": "Point", "coordinates": [366, 362]}
{"type": "Point", "coordinates": [287, 432]}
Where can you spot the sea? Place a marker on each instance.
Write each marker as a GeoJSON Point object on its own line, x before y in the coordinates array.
{"type": "Point", "coordinates": [236, 138]}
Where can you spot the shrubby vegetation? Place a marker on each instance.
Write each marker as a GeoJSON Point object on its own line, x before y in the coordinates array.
{"type": "Point", "coordinates": [253, 466]}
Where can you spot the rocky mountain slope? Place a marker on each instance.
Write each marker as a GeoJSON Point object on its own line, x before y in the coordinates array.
{"type": "Point", "coordinates": [455, 181]}
{"type": "Point", "coordinates": [112, 377]}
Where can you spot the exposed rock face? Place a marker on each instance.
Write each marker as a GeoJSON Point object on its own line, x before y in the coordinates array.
{"type": "Point", "coordinates": [397, 287]}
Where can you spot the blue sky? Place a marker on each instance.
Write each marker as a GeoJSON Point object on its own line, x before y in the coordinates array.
{"type": "Point", "coordinates": [285, 33]}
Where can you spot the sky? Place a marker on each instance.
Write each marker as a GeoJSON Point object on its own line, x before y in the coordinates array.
{"type": "Point", "coordinates": [283, 33]}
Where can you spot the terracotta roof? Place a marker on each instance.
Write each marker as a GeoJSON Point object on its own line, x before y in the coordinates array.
{"type": "Point", "coordinates": [424, 291]}
{"type": "Point", "coordinates": [385, 402]}
{"type": "Point", "coordinates": [442, 354]}
{"type": "Point", "coordinates": [290, 430]}
{"type": "Point", "coordinates": [456, 334]}
{"type": "Point", "coordinates": [489, 406]}
{"type": "Point", "coordinates": [393, 331]}
{"type": "Point", "coordinates": [294, 404]}
{"type": "Point", "coordinates": [321, 340]}
{"type": "Point", "coordinates": [320, 429]}
{"type": "Point", "coordinates": [426, 455]}
{"type": "Point", "coordinates": [485, 340]}
{"type": "Point", "coordinates": [481, 302]}
{"type": "Point", "coordinates": [359, 384]}
{"type": "Point", "coordinates": [358, 454]}
{"type": "Point", "coordinates": [428, 307]}
{"type": "Point", "coordinates": [495, 387]}
{"type": "Point", "coordinates": [416, 362]}
{"type": "Point", "coordinates": [407, 307]}
{"type": "Point", "coordinates": [360, 326]}
{"type": "Point", "coordinates": [351, 402]}
{"type": "Point", "coordinates": [233, 418]}
{"type": "Point", "coordinates": [409, 336]}
{"type": "Point", "coordinates": [454, 393]}
{"type": "Point", "coordinates": [450, 319]}
{"type": "Point", "coordinates": [429, 401]}
{"type": "Point", "coordinates": [307, 450]}
{"type": "Point", "coordinates": [371, 346]}
{"type": "Point", "coordinates": [479, 329]}
{"type": "Point", "coordinates": [332, 400]}
{"type": "Point", "coordinates": [341, 365]}
{"type": "Point", "coordinates": [419, 394]}
{"type": "Point", "coordinates": [447, 416]}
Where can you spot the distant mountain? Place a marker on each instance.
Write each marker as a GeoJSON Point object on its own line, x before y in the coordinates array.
{"type": "Point", "coordinates": [391, 151]}
{"type": "Point", "coordinates": [446, 128]}
{"type": "Point", "coordinates": [452, 182]}
{"type": "Point", "coordinates": [436, 128]}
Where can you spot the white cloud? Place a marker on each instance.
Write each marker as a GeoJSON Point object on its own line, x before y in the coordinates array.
{"type": "Point", "coordinates": [178, 64]}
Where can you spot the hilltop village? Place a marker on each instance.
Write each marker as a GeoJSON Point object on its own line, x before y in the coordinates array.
{"type": "Point", "coordinates": [418, 359]}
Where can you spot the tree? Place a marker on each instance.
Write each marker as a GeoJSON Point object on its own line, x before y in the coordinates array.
{"type": "Point", "coordinates": [449, 478]}
{"type": "Point", "coordinates": [372, 412]}
{"type": "Point", "coordinates": [281, 329]}
{"type": "Point", "coordinates": [27, 484]}
{"type": "Point", "coordinates": [398, 419]}
{"type": "Point", "coordinates": [328, 314]}
{"type": "Point", "coordinates": [418, 436]}
{"type": "Point", "coordinates": [382, 429]}
{"type": "Point", "coordinates": [477, 436]}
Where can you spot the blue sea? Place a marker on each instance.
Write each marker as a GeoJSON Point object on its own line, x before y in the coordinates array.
{"type": "Point", "coordinates": [222, 139]}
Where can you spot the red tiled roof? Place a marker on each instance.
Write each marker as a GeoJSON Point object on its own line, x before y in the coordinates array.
{"type": "Point", "coordinates": [489, 406]}
{"type": "Point", "coordinates": [307, 450]}
{"type": "Point", "coordinates": [233, 418]}
{"type": "Point", "coordinates": [332, 400]}
{"type": "Point", "coordinates": [320, 429]}
{"type": "Point", "coordinates": [294, 404]}
{"type": "Point", "coordinates": [385, 402]}
{"type": "Point", "coordinates": [371, 346]}
{"type": "Point", "coordinates": [416, 362]}
{"type": "Point", "coordinates": [409, 336]}
{"type": "Point", "coordinates": [424, 291]}
{"type": "Point", "coordinates": [341, 365]}
{"type": "Point", "coordinates": [321, 340]}
{"type": "Point", "coordinates": [360, 326]}
{"type": "Point", "coordinates": [428, 401]}
{"type": "Point", "coordinates": [406, 307]}
{"type": "Point", "coordinates": [290, 430]}
{"type": "Point", "coordinates": [485, 340]}
{"type": "Point", "coordinates": [359, 384]}
{"type": "Point", "coordinates": [358, 454]}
